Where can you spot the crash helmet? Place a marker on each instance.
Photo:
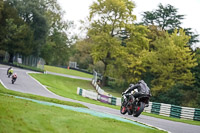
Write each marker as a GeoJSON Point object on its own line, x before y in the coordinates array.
{"type": "Point", "coordinates": [141, 81]}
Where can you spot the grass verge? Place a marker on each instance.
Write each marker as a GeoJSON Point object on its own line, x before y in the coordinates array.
{"type": "Point", "coordinates": [67, 87]}
{"type": "Point", "coordinates": [10, 92]}
{"type": "Point", "coordinates": [67, 71]}
{"type": "Point", "coordinates": [19, 115]}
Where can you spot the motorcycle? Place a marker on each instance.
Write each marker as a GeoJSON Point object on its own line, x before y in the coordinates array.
{"type": "Point", "coordinates": [13, 80]}
{"type": "Point", "coordinates": [9, 74]}
{"type": "Point", "coordinates": [135, 103]}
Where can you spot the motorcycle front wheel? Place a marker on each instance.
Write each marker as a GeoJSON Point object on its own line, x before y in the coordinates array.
{"type": "Point", "coordinates": [123, 110]}
{"type": "Point", "coordinates": [138, 109]}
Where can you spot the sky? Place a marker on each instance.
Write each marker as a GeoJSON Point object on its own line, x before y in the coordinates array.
{"type": "Point", "coordinates": [76, 10]}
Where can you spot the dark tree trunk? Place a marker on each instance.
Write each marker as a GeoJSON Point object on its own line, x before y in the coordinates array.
{"type": "Point", "coordinates": [105, 81]}
{"type": "Point", "coordinates": [105, 78]}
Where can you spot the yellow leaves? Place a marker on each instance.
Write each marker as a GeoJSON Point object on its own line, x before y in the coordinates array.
{"type": "Point", "coordinates": [179, 38]}
{"type": "Point", "coordinates": [172, 61]}
{"type": "Point", "coordinates": [112, 11]}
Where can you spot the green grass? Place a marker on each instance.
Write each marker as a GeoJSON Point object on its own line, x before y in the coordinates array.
{"type": "Point", "coordinates": [19, 115]}
{"type": "Point", "coordinates": [67, 71]}
{"type": "Point", "coordinates": [10, 92]}
{"type": "Point", "coordinates": [67, 87]}
{"type": "Point", "coordinates": [80, 74]}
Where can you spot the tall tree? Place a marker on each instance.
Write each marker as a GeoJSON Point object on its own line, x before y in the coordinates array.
{"type": "Point", "coordinates": [164, 17]}
{"type": "Point", "coordinates": [16, 36]}
{"type": "Point", "coordinates": [107, 17]}
{"type": "Point", "coordinates": [82, 55]}
{"type": "Point", "coordinates": [56, 50]}
{"type": "Point", "coordinates": [1, 8]}
{"type": "Point", "coordinates": [33, 14]}
{"type": "Point", "coordinates": [168, 19]}
{"type": "Point", "coordinates": [40, 21]}
{"type": "Point", "coordinates": [117, 42]}
{"type": "Point", "coordinates": [171, 62]}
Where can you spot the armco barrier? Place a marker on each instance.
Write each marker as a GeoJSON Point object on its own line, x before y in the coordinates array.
{"type": "Point", "coordinates": [148, 109]}
{"type": "Point", "coordinates": [155, 108]}
{"type": "Point", "coordinates": [104, 98]}
{"type": "Point", "coordinates": [175, 111]}
{"type": "Point", "coordinates": [113, 100]}
{"type": "Point", "coordinates": [86, 93]}
{"type": "Point", "coordinates": [165, 109]}
{"type": "Point", "coordinates": [197, 115]}
{"type": "Point", "coordinates": [187, 112]}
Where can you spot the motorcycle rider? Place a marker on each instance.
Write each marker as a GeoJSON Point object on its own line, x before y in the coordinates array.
{"type": "Point", "coordinates": [14, 76]}
{"type": "Point", "coordinates": [10, 72]}
{"type": "Point", "coordinates": [140, 87]}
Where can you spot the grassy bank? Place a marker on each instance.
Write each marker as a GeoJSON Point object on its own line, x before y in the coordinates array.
{"type": "Point", "coordinates": [10, 92]}
{"type": "Point", "coordinates": [67, 87]}
{"type": "Point", "coordinates": [19, 115]}
{"type": "Point", "coordinates": [67, 71]}
{"type": "Point", "coordinates": [80, 74]}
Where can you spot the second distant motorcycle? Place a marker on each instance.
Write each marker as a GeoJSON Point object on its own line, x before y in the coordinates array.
{"type": "Point", "coordinates": [14, 78]}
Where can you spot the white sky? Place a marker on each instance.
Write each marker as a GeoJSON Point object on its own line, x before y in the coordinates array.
{"type": "Point", "coordinates": [79, 9]}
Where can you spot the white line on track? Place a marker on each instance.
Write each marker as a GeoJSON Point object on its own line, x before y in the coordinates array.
{"type": "Point", "coordinates": [3, 84]}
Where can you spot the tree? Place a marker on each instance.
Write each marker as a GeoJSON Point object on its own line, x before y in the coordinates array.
{"type": "Point", "coordinates": [164, 17]}
{"type": "Point", "coordinates": [82, 53]}
{"type": "Point", "coordinates": [56, 50]}
{"type": "Point", "coordinates": [107, 17]}
{"type": "Point", "coordinates": [31, 25]}
{"type": "Point", "coordinates": [1, 8]}
{"type": "Point", "coordinates": [16, 36]}
{"type": "Point", "coordinates": [168, 19]}
{"type": "Point", "coordinates": [33, 14]}
{"type": "Point", "coordinates": [196, 70]}
{"type": "Point", "coordinates": [171, 62]}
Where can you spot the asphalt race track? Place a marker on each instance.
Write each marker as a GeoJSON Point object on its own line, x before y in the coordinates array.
{"type": "Point", "coordinates": [26, 84]}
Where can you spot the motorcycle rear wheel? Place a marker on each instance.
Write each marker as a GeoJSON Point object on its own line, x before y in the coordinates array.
{"type": "Point", "coordinates": [138, 109]}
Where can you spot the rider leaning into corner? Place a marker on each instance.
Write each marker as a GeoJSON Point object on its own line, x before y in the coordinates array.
{"type": "Point", "coordinates": [140, 87]}
{"type": "Point", "coordinates": [8, 70]}
{"type": "Point", "coordinates": [14, 76]}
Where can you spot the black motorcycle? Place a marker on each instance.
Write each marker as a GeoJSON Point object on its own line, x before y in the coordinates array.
{"type": "Point", "coordinates": [135, 103]}
{"type": "Point", "coordinates": [13, 80]}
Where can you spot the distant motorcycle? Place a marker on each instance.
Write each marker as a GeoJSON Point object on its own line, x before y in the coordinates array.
{"type": "Point", "coordinates": [9, 74]}
{"type": "Point", "coordinates": [14, 78]}
{"type": "Point", "coordinates": [134, 105]}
